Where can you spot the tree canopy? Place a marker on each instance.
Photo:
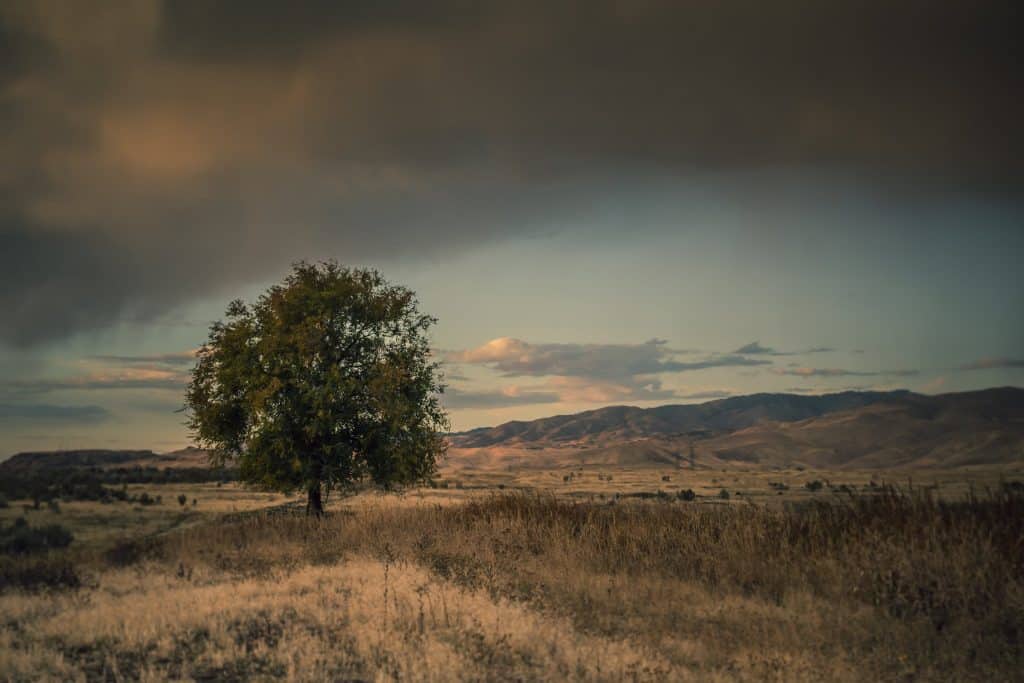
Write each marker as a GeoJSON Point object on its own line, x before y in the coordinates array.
{"type": "Point", "coordinates": [324, 382]}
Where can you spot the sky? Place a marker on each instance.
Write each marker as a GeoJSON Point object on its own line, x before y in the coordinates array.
{"type": "Point", "coordinates": [641, 202]}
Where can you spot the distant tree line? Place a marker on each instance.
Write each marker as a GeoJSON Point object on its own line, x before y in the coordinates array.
{"type": "Point", "coordinates": [101, 484]}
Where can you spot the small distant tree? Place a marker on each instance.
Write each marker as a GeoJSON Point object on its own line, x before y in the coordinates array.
{"type": "Point", "coordinates": [324, 382]}
{"type": "Point", "coordinates": [182, 499]}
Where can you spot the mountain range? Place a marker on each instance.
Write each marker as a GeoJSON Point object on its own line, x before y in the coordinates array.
{"type": "Point", "coordinates": [851, 429]}
{"type": "Point", "coordinates": [842, 430]}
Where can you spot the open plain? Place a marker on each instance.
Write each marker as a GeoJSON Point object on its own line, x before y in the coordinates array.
{"type": "Point", "coordinates": [580, 573]}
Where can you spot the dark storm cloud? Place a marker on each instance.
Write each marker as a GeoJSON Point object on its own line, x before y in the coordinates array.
{"type": "Point", "coordinates": [42, 272]}
{"type": "Point", "coordinates": [922, 85]}
{"type": "Point", "coordinates": [151, 152]}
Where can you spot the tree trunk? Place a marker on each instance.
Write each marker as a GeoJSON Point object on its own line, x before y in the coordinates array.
{"type": "Point", "coordinates": [314, 502]}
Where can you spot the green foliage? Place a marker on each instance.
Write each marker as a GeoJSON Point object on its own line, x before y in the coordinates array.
{"type": "Point", "coordinates": [723, 494]}
{"type": "Point", "coordinates": [325, 381]}
{"type": "Point", "coordinates": [182, 499]}
{"type": "Point", "coordinates": [815, 485]}
{"type": "Point", "coordinates": [687, 495]}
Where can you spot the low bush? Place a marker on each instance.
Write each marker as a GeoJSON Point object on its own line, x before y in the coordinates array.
{"type": "Point", "coordinates": [21, 539]}
{"type": "Point", "coordinates": [50, 572]}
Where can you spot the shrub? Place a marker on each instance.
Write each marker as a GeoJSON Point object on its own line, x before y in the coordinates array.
{"type": "Point", "coordinates": [815, 485]}
{"type": "Point", "coordinates": [723, 495]}
{"type": "Point", "coordinates": [38, 573]}
{"type": "Point", "coordinates": [126, 553]}
{"type": "Point", "coordinates": [21, 539]}
{"type": "Point", "coordinates": [686, 495]}
{"type": "Point", "coordinates": [182, 499]}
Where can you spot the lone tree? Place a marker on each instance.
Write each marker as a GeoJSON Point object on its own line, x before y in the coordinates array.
{"type": "Point", "coordinates": [324, 382]}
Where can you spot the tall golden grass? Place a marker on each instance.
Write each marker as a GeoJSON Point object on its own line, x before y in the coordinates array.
{"type": "Point", "coordinates": [891, 585]}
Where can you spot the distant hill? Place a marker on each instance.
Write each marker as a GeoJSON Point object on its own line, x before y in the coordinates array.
{"type": "Point", "coordinates": [849, 429]}
{"type": "Point", "coordinates": [25, 463]}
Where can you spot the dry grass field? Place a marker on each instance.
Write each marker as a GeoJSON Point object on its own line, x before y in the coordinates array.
{"type": "Point", "coordinates": [573, 574]}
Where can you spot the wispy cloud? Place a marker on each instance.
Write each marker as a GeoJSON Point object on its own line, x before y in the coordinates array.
{"type": "Point", "coordinates": [517, 358]}
{"type": "Point", "coordinates": [182, 358]}
{"type": "Point", "coordinates": [454, 398]}
{"type": "Point", "coordinates": [832, 390]}
{"type": "Point", "coordinates": [709, 394]}
{"type": "Point", "coordinates": [631, 389]}
{"type": "Point", "coordinates": [993, 364]}
{"type": "Point", "coordinates": [842, 372]}
{"type": "Point", "coordinates": [754, 348]}
{"type": "Point", "coordinates": [106, 372]}
{"type": "Point", "coordinates": [53, 413]}
{"type": "Point", "coordinates": [126, 378]}
{"type": "Point", "coordinates": [589, 373]}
